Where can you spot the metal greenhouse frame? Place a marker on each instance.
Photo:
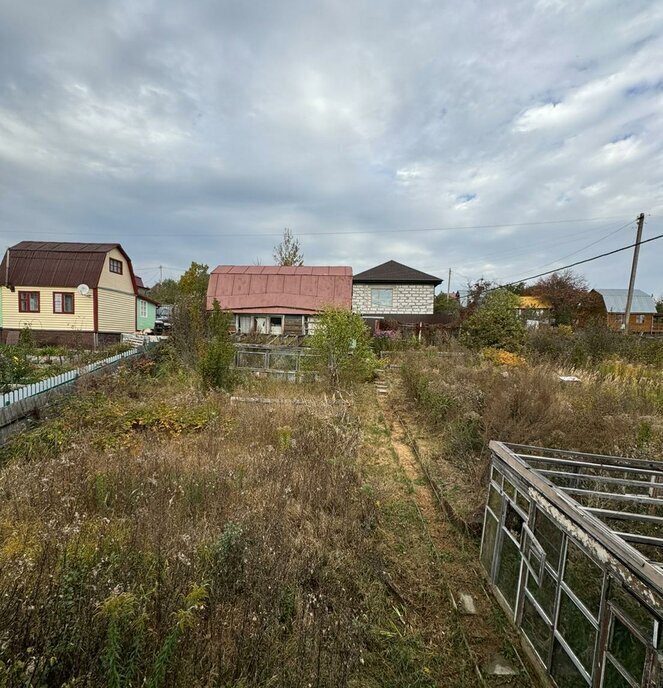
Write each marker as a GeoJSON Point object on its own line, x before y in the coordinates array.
{"type": "Point", "coordinates": [573, 545]}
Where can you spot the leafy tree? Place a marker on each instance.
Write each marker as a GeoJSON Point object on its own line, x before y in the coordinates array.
{"type": "Point", "coordinates": [341, 344]}
{"type": "Point", "coordinates": [167, 291]}
{"type": "Point", "coordinates": [659, 304]}
{"type": "Point", "coordinates": [288, 250]}
{"type": "Point", "coordinates": [565, 291]}
{"type": "Point", "coordinates": [519, 289]}
{"type": "Point", "coordinates": [194, 281]}
{"type": "Point", "coordinates": [496, 323]}
{"type": "Point", "coordinates": [477, 291]}
{"type": "Point", "coordinates": [446, 304]}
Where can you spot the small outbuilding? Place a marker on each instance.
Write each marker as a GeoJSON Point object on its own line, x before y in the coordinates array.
{"type": "Point", "coordinates": [611, 305]}
{"type": "Point", "coordinates": [278, 300]}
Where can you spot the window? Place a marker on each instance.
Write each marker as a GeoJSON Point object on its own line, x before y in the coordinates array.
{"type": "Point", "coordinates": [63, 302]}
{"type": "Point", "coordinates": [640, 319]}
{"type": "Point", "coordinates": [382, 298]}
{"type": "Point", "coordinates": [28, 301]}
{"type": "Point", "coordinates": [143, 309]}
{"type": "Point", "coordinates": [115, 266]}
{"type": "Point", "coordinates": [275, 324]}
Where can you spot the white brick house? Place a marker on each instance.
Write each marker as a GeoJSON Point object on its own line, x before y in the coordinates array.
{"type": "Point", "coordinates": [393, 291]}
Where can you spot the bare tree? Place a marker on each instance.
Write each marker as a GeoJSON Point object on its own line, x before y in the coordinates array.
{"type": "Point", "coordinates": [288, 250]}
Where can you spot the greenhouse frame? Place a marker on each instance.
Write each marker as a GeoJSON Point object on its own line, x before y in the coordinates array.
{"type": "Point", "coordinates": [573, 546]}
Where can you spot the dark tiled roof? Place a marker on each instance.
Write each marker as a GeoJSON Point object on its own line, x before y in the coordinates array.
{"type": "Point", "coordinates": [55, 264]}
{"type": "Point", "coordinates": [391, 271]}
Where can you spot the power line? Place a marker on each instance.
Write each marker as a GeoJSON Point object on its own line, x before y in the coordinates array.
{"type": "Point", "coordinates": [366, 231]}
{"type": "Point", "coordinates": [598, 241]}
{"type": "Point", "coordinates": [579, 262]}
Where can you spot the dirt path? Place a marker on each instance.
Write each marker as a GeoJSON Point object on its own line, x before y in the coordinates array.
{"type": "Point", "coordinates": [456, 559]}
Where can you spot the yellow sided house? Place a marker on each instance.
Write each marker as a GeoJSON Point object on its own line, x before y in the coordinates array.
{"type": "Point", "coordinates": [67, 293]}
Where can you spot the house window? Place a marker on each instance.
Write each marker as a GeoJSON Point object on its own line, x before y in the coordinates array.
{"type": "Point", "coordinates": [640, 319]}
{"type": "Point", "coordinates": [143, 309]}
{"type": "Point", "coordinates": [28, 301]}
{"type": "Point", "coordinates": [115, 266]}
{"type": "Point", "coordinates": [382, 298]}
{"type": "Point", "coordinates": [63, 302]}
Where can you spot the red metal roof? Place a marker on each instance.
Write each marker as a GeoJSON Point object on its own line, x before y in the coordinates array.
{"type": "Point", "coordinates": [280, 289]}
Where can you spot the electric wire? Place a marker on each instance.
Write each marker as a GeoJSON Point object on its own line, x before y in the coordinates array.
{"type": "Point", "coordinates": [579, 262]}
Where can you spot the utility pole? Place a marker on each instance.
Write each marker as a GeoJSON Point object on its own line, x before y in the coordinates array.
{"type": "Point", "coordinates": [449, 285]}
{"type": "Point", "coordinates": [160, 274]}
{"type": "Point", "coordinates": [634, 268]}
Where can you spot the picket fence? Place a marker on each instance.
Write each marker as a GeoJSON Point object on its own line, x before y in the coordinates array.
{"type": "Point", "coordinates": [49, 383]}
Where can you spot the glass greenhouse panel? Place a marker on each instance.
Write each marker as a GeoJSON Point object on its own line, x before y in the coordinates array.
{"type": "Point", "coordinates": [576, 573]}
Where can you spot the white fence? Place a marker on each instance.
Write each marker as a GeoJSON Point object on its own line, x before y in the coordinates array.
{"type": "Point", "coordinates": [35, 388]}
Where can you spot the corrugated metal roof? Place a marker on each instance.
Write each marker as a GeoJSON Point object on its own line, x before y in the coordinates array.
{"type": "Point", "coordinates": [56, 264]}
{"type": "Point", "coordinates": [280, 289]}
{"type": "Point", "coordinates": [392, 271]}
{"type": "Point", "coordinates": [615, 300]}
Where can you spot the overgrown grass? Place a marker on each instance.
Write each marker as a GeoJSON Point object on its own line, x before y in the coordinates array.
{"type": "Point", "coordinates": [153, 535]}
{"type": "Point", "coordinates": [468, 400]}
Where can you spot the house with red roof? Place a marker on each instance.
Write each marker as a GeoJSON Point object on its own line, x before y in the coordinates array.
{"type": "Point", "coordinates": [278, 300]}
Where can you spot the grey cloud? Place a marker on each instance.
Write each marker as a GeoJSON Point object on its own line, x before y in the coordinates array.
{"type": "Point", "coordinates": [167, 125]}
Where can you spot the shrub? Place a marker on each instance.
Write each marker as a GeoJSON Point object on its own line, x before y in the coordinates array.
{"type": "Point", "coordinates": [26, 339]}
{"type": "Point", "coordinates": [14, 366]}
{"type": "Point", "coordinates": [496, 323]}
{"type": "Point", "coordinates": [218, 351]}
{"type": "Point", "coordinates": [342, 347]}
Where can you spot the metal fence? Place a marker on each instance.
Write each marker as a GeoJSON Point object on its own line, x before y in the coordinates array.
{"type": "Point", "coordinates": [49, 383]}
{"type": "Point", "coordinates": [275, 362]}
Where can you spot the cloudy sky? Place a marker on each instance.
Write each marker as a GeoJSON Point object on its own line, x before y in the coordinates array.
{"type": "Point", "coordinates": [375, 130]}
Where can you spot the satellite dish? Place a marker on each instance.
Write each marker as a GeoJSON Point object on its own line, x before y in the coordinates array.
{"type": "Point", "coordinates": [83, 289]}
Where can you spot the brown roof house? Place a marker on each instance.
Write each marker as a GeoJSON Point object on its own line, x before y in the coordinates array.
{"type": "Point", "coordinates": [73, 293]}
{"type": "Point", "coordinates": [393, 291]}
{"type": "Point", "coordinates": [278, 299]}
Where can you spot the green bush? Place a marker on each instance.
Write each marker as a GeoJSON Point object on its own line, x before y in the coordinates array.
{"type": "Point", "coordinates": [14, 367]}
{"type": "Point", "coordinates": [496, 323]}
{"type": "Point", "coordinates": [341, 344]}
{"type": "Point", "coordinates": [218, 352]}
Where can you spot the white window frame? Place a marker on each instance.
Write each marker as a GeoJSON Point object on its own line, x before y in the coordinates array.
{"type": "Point", "coordinates": [142, 309]}
{"type": "Point", "coordinates": [377, 301]}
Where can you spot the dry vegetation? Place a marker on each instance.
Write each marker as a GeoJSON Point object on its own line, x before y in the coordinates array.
{"type": "Point", "coordinates": [467, 399]}
{"type": "Point", "coordinates": [153, 535]}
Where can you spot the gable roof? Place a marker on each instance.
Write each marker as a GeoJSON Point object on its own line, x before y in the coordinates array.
{"type": "Point", "coordinates": [391, 271]}
{"type": "Point", "coordinates": [57, 264]}
{"type": "Point", "coordinates": [280, 289]}
{"type": "Point", "coordinates": [615, 300]}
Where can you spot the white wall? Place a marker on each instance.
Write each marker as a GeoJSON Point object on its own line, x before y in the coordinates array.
{"type": "Point", "coordinates": [408, 299]}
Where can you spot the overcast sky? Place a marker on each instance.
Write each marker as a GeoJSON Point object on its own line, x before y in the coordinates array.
{"type": "Point", "coordinates": [197, 130]}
